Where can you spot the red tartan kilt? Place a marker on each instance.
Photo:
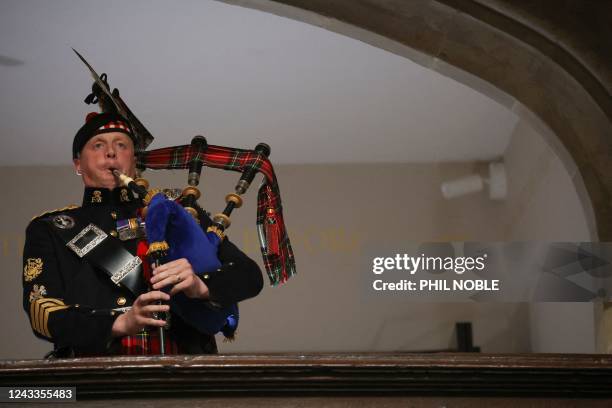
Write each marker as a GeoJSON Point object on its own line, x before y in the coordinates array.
{"type": "Point", "coordinates": [146, 343]}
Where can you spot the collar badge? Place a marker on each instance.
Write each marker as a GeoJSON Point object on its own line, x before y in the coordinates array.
{"type": "Point", "coordinates": [96, 197]}
{"type": "Point", "coordinates": [63, 221]}
{"type": "Point", "coordinates": [124, 196]}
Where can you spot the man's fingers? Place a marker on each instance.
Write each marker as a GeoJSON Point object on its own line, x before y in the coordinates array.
{"type": "Point", "coordinates": [184, 282]}
{"type": "Point", "coordinates": [154, 308]}
{"type": "Point", "coordinates": [179, 288]}
{"type": "Point", "coordinates": [168, 281]}
{"type": "Point", "coordinates": [173, 267]}
{"type": "Point", "coordinates": [159, 276]}
{"type": "Point", "coordinates": [151, 296]}
{"type": "Point", "coordinates": [155, 295]}
{"type": "Point", "coordinates": [174, 276]}
{"type": "Point", "coordinates": [177, 263]}
{"type": "Point", "coordinates": [153, 322]}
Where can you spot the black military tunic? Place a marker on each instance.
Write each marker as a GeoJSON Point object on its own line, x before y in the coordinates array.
{"type": "Point", "coordinates": [73, 304]}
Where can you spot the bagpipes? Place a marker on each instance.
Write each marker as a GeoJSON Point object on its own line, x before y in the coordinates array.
{"type": "Point", "coordinates": [172, 226]}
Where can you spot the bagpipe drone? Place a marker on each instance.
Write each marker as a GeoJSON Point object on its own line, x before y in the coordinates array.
{"type": "Point", "coordinates": [173, 228]}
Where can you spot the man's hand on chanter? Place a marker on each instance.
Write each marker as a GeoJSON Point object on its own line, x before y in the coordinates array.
{"type": "Point", "coordinates": [141, 314]}
{"type": "Point", "coordinates": [180, 274]}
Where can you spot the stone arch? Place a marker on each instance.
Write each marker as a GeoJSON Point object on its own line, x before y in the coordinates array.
{"type": "Point", "coordinates": [551, 77]}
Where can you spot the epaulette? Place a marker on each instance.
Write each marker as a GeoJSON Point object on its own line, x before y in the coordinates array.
{"type": "Point", "coordinates": [67, 208]}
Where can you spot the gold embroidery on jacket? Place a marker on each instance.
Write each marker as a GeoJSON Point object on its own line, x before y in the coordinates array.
{"type": "Point", "coordinates": [40, 309]}
{"type": "Point", "coordinates": [37, 292]}
{"type": "Point", "coordinates": [32, 269]}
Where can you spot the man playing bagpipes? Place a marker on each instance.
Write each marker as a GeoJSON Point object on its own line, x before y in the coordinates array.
{"type": "Point", "coordinates": [132, 271]}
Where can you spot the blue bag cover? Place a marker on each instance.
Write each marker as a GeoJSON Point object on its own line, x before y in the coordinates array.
{"type": "Point", "coordinates": [168, 221]}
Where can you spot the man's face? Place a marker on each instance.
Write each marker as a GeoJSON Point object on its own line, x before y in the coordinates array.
{"type": "Point", "coordinates": [102, 153]}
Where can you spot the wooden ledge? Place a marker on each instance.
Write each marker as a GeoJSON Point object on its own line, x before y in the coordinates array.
{"type": "Point", "coordinates": [451, 374]}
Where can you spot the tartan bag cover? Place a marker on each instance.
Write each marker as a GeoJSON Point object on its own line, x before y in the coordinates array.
{"type": "Point", "coordinates": [275, 245]}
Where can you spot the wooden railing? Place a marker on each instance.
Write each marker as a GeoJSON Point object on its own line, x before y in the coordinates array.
{"type": "Point", "coordinates": [282, 375]}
